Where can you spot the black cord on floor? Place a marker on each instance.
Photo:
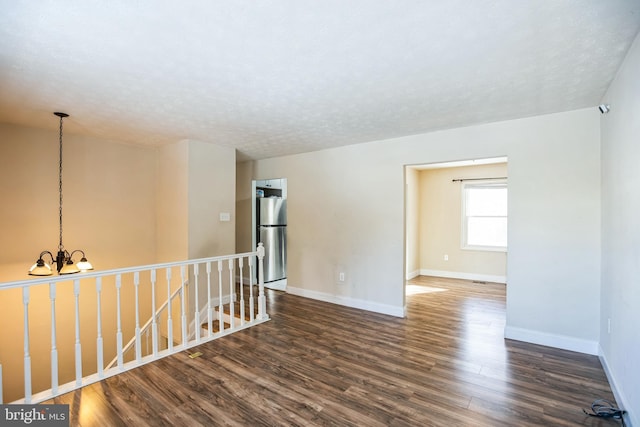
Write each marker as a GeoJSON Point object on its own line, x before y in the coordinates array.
{"type": "Point", "coordinates": [603, 408]}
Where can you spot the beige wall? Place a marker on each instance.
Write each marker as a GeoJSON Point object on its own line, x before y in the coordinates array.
{"type": "Point", "coordinates": [125, 206]}
{"type": "Point", "coordinates": [109, 199]}
{"type": "Point", "coordinates": [109, 211]}
{"type": "Point", "coordinates": [196, 183]}
{"type": "Point", "coordinates": [172, 211]}
{"type": "Point", "coordinates": [212, 186]}
{"type": "Point", "coordinates": [440, 226]}
{"type": "Point", "coordinates": [211, 189]}
{"type": "Point", "coordinates": [172, 220]}
{"type": "Point", "coordinates": [244, 199]}
{"type": "Point", "coordinates": [346, 211]}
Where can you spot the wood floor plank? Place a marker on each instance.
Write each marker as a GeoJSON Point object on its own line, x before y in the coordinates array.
{"type": "Point", "coordinates": [317, 364]}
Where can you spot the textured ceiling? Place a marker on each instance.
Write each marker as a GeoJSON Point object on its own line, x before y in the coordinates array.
{"type": "Point", "coordinates": [287, 76]}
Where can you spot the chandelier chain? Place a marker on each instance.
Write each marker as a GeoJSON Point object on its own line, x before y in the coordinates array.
{"type": "Point", "coordinates": [60, 247]}
{"type": "Point", "coordinates": [63, 259]}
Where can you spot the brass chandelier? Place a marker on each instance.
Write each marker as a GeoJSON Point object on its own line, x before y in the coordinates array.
{"type": "Point", "coordinates": [63, 259]}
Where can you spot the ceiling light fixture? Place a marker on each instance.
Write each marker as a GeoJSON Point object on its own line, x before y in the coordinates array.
{"type": "Point", "coordinates": [63, 259]}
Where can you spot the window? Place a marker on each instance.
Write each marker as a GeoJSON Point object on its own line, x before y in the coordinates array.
{"type": "Point", "coordinates": [484, 216]}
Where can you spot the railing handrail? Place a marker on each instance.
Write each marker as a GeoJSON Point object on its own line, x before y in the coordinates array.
{"type": "Point", "coordinates": [115, 271]}
{"type": "Point", "coordinates": [130, 278]}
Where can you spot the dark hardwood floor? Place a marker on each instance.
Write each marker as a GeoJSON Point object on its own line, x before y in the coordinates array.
{"type": "Point", "coordinates": [314, 363]}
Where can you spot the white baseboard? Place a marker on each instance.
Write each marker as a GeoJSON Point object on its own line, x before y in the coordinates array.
{"type": "Point", "coordinates": [552, 340]}
{"type": "Point", "coordinates": [630, 417]}
{"type": "Point", "coordinates": [413, 274]}
{"type": "Point", "coordinates": [349, 302]}
{"type": "Point", "coordinates": [278, 285]}
{"type": "Point", "coordinates": [246, 280]}
{"type": "Point", "coordinates": [464, 276]}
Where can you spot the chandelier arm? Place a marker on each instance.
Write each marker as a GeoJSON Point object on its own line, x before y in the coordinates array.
{"type": "Point", "coordinates": [77, 250]}
{"type": "Point", "coordinates": [43, 253]}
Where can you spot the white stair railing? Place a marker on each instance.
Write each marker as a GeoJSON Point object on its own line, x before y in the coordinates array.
{"type": "Point", "coordinates": [110, 286]}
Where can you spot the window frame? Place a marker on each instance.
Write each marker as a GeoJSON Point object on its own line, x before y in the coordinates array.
{"type": "Point", "coordinates": [502, 183]}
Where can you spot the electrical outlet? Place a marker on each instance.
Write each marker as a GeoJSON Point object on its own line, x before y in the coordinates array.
{"type": "Point", "coordinates": [446, 257]}
{"type": "Point", "coordinates": [341, 277]}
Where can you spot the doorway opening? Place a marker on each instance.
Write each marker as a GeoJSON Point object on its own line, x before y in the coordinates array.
{"type": "Point", "coordinates": [269, 227]}
{"type": "Point", "coordinates": [456, 216]}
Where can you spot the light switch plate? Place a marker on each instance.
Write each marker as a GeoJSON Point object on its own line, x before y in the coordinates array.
{"type": "Point", "coordinates": [225, 216]}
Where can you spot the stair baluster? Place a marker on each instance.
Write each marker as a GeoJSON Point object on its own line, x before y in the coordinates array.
{"type": "Point", "coordinates": [99, 341]}
{"type": "Point", "coordinates": [169, 310]}
{"type": "Point", "coordinates": [232, 299]}
{"type": "Point", "coordinates": [136, 284]}
{"type": "Point", "coordinates": [251, 302]}
{"type": "Point", "coordinates": [119, 323]}
{"type": "Point", "coordinates": [209, 308]}
{"type": "Point", "coordinates": [183, 311]}
{"type": "Point", "coordinates": [240, 265]}
{"type": "Point", "coordinates": [78, 346]}
{"type": "Point", "coordinates": [54, 350]}
{"type": "Point", "coordinates": [220, 306]}
{"type": "Point", "coordinates": [27, 356]}
{"type": "Point", "coordinates": [154, 323]}
{"type": "Point", "coordinates": [196, 312]}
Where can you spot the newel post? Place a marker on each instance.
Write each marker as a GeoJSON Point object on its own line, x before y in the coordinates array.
{"type": "Point", "coordinates": [262, 301]}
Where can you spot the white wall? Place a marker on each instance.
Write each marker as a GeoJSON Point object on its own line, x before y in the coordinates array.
{"type": "Point", "coordinates": [620, 349]}
{"type": "Point", "coordinates": [412, 223]}
{"type": "Point", "coordinates": [346, 211]}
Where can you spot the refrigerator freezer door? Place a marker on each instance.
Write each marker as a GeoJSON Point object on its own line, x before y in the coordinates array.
{"type": "Point", "coordinates": [275, 259]}
{"type": "Point", "coordinates": [272, 211]}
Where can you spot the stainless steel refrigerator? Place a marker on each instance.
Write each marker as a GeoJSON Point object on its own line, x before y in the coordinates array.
{"type": "Point", "coordinates": [272, 232]}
